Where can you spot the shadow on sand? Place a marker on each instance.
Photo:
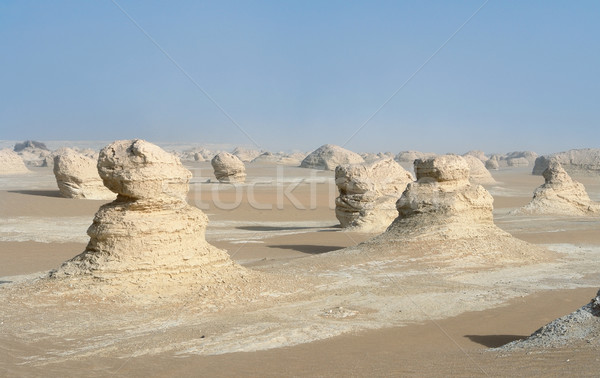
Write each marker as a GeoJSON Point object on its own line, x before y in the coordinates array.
{"type": "Point", "coordinates": [276, 228]}
{"type": "Point", "coordinates": [43, 193]}
{"type": "Point", "coordinates": [308, 248]}
{"type": "Point", "coordinates": [494, 341]}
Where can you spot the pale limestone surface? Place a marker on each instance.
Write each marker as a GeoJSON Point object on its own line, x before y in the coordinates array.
{"type": "Point", "coordinates": [368, 193]}
{"type": "Point", "coordinates": [411, 156]}
{"type": "Point", "coordinates": [228, 168]}
{"type": "Point", "coordinates": [77, 176]}
{"type": "Point", "coordinates": [576, 162]}
{"type": "Point", "coordinates": [559, 195]}
{"type": "Point", "coordinates": [329, 156]}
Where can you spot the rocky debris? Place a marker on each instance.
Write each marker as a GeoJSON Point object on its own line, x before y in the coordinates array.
{"type": "Point", "coordinates": [149, 238]}
{"type": "Point", "coordinates": [329, 156]}
{"type": "Point", "coordinates": [478, 173]}
{"type": "Point", "coordinates": [575, 162]}
{"type": "Point", "coordinates": [368, 193]}
{"type": "Point", "coordinates": [11, 163]}
{"type": "Point", "coordinates": [581, 327]}
{"type": "Point", "coordinates": [245, 154]}
{"type": "Point", "coordinates": [77, 176]}
{"type": "Point", "coordinates": [478, 154]}
{"type": "Point", "coordinates": [228, 168]}
{"type": "Point", "coordinates": [411, 156]}
{"type": "Point", "coordinates": [444, 216]}
{"type": "Point", "coordinates": [33, 153]}
{"type": "Point", "coordinates": [559, 195]}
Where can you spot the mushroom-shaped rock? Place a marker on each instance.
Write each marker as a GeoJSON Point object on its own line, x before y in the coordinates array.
{"type": "Point", "coordinates": [149, 236]}
{"type": "Point", "coordinates": [329, 156]}
{"type": "Point", "coordinates": [559, 195]}
{"type": "Point", "coordinates": [444, 216]}
{"type": "Point", "coordinates": [478, 173]}
{"type": "Point", "coordinates": [77, 176]}
{"type": "Point", "coordinates": [228, 168]}
{"type": "Point", "coordinates": [11, 163]}
{"type": "Point", "coordinates": [368, 193]}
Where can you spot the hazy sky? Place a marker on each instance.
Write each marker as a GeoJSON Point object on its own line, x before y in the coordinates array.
{"type": "Point", "coordinates": [298, 74]}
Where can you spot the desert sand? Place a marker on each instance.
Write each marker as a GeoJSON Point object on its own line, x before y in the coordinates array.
{"type": "Point", "coordinates": [317, 309]}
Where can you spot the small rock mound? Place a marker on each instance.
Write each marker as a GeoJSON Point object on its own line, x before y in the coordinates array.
{"type": "Point", "coordinates": [149, 238]}
{"type": "Point", "coordinates": [11, 163]}
{"type": "Point", "coordinates": [329, 156]}
{"type": "Point", "coordinates": [368, 193]}
{"type": "Point", "coordinates": [228, 168]}
{"type": "Point", "coordinates": [579, 327]}
{"type": "Point", "coordinates": [576, 162]}
{"type": "Point", "coordinates": [478, 173]}
{"type": "Point", "coordinates": [77, 176]}
{"type": "Point", "coordinates": [281, 158]}
{"type": "Point", "coordinates": [559, 195]}
{"type": "Point", "coordinates": [478, 154]}
{"type": "Point", "coordinates": [444, 215]}
{"type": "Point", "coordinates": [411, 156]}
{"type": "Point", "coordinates": [30, 144]}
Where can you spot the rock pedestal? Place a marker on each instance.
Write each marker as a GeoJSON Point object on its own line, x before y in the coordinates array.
{"type": "Point", "coordinates": [228, 168]}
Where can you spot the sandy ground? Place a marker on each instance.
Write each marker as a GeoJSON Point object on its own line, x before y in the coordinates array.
{"type": "Point", "coordinates": [358, 315]}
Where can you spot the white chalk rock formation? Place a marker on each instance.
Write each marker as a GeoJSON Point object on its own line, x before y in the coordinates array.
{"type": "Point", "coordinates": [492, 163]}
{"type": "Point", "coordinates": [77, 176]}
{"type": "Point", "coordinates": [445, 216]}
{"type": "Point", "coordinates": [149, 236]}
{"type": "Point", "coordinates": [228, 168]}
{"type": "Point", "coordinates": [329, 156]}
{"type": "Point", "coordinates": [32, 152]}
{"type": "Point", "coordinates": [245, 154]}
{"type": "Point", "coordinates": [279, 158]}
{"type": "Point", "coordinates": [368, 194]}
{"type": "Point", "coordinates": [11, 163]}
{"type": "Point", "coordinates": [478, 173]}
{"type": "Point", "coordinates": [576, 162]}
{"type": "Point", "coordinates": [560, 195]}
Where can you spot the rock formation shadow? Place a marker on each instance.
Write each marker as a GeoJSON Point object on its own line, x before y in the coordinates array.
{"type": "Point", "coordinates": [495, 341]}
{"type": "Point", "coordinates": [43, 193]}
{"type": "Point", "coordinates": [308, 248]}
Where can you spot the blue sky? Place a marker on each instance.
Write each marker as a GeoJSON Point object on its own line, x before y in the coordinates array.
{"type": "Point", "coordinates": [298, 74]}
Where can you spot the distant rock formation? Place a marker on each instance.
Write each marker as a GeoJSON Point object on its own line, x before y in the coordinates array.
{"type": "Point", "coordinates": [492, 163]}
{"type": "Point", "coordinates": [478, 173]}
{"type": "Point", "coordinates": [77, 176]}
{"type": "Point", "coordinates": [444, 216]}
{"type": "Point", "coordinates": [33, 153]}
{"type": "Point", "coordinates": [575, 162]}
{"type": "Point", "coordinates": [368, 193]}
{"type": "Point", "coordinates": [329, 156]}
{"type": "Point", "coordinates": [559, 195]}
{"type": "Point", "coordinates": [228, 168]}
{"type": "Point", "coordinates": [370, 157]}
{"type": "Point", "coordinates": [581, 327]}
{"type": "Point", "coordinates": [514, 159]}
{"type": "Point", "coordinates": [293, 159]}
{"type": "Point", "coordinates": [478, 154]}
{"type": "Point", "coordinates": [411, 156]}
{"type": "Point", "coordinates": [245, 154]}
{"type": "Point", "coordinates": [149, 238]}
{"type": "Point", "coordinates": [11, 163]}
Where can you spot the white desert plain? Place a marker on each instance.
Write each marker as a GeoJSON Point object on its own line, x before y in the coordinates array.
{"type": "Point", "coordinates": [131, 258]}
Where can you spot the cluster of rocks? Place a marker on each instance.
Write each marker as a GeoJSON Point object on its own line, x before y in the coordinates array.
{"type": "Point", "coordinates": [559, 195]}
{"type": "Point", "coordinates": [368, 193]}
{"type": "Point", "coordinates": [511, 159]}
{"type": "Point", "coordinates": [575, 162]}
{"type": "Point", "coordinates": [444, 214]}
{"type": "Point", "coordinates": [149, 235]}
{"type": "Point", "coordinates": [33, 153]}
